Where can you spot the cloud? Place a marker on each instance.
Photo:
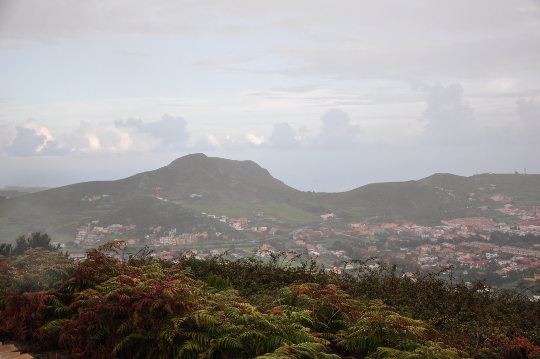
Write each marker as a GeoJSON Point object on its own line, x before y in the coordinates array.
{"type": "Point", "coordinates": [7, 134]}
{"type": "Point", "coordinates": [235, 143]}
{"type": "Point", "coordinates": [529, 111]}
{"type": "Point", "coordinates": [449, 119]}
{"type": "Point", "coordinates": [336, 131]}
{"type": "Point", "coordinates": [221, 61]}
{"type": "Point", "coordinates": [284, 136]}
{"type": "Point", "coordinates": [84, 139]}
{"type": "Point", "coordinates": [33, 139]}
{"type": "Point", "coordinates": [529, 114]}
{"type": "Point", "coordinates": [121, 141]}
{"type": "Point", "coordinates": [297, 89]}
{"type": "Point", "coordinates": [169, 131]}
{"type": "Point", "coordinates": [253, 139]}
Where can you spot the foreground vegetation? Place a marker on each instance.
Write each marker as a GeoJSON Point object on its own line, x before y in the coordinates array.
{"type": "Point", "coordinates": [116, 304]}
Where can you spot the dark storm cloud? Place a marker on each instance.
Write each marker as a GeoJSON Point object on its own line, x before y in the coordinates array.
{"type": "Point", "coordinates": [337, 131]}
{"type": "Point", "coordinates": [284, 136]}
{"type": "Point", "coordinates": [169, 130]}
{"type": "Point", "coordinates": [28, 143]}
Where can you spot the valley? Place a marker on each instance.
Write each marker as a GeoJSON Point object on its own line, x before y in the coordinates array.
{"type": "Point", "coordinates": [211, 206]}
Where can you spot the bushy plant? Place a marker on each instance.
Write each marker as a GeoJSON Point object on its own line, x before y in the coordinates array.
{"type": "Point", "coordinates": [116, 304]}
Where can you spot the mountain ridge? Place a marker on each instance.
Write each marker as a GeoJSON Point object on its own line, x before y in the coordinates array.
{"type": "Point", "coordinates": [199, 183]}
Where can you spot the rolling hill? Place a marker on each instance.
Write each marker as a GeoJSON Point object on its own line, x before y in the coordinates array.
{"type": "Point", "coordinates": [196, 183]}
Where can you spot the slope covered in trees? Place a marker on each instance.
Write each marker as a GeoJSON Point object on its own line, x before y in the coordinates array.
{"type": "Point", "coordinates": [219, 186]}
{"type": "Point", "coordinates": [120, 305]}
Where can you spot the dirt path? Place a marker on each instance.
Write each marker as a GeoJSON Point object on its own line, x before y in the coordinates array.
{"type": "Point", "coordinates": [10, 351]}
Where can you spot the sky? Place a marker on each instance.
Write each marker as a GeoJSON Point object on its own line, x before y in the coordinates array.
{"type": "Point", "coordinates": [328, 96]}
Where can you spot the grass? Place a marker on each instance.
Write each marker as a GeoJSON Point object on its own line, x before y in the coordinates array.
{"type": "Point", "coordinates": [285, 211]}
{"type": "Point", "coordinates": [501, 217]}
{"type": "Point", "coordinates": [9, 232]}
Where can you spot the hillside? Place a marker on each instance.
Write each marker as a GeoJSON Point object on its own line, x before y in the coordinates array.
{"type": "Point", "coordinates": [234, 188]}
{"type": "Point", "coordinates": [196, 183]}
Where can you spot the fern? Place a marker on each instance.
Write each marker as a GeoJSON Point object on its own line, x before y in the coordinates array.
{"type": "Point", "coordinates": [300, 351]}
{"type": "Point", "coordinates": [430, 350]}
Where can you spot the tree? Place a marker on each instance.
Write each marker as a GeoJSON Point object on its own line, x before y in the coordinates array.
{"type": "Point", "coordinates": [35, 240]}
{"type": "Point", "coordinates": [5, 250]}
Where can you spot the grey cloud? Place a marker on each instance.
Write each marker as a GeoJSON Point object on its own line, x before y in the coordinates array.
{"type": "Point", "coordinates": [297, 89]}
{"type": "Point", "coordinates": [449, 119]}
{"type": "Point", "coordinates": [169, 130]}
{"type": "Point", "coordinates": [336, 131]}
{"type": "Point", "coordinates": [283, 136]}
{"type": "Point", "coordinates": [304, 129]}
{"type": "Point", "coordinates": [7, 134]}
{"type": "Point", "coordinates": [27, 143]}
{"type": "Point", "coordinates": [415, 40]}
{"type": "Point", "coordinates": [221, 62]}
{"type": "Point", "coordinates": [529, 111]}
{"type": "Point", "coordinates": [61, 19]}
{"type": "Point", "coordinates": [203, 145]}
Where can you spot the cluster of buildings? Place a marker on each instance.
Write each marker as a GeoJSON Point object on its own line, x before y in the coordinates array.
{"type": "Point", "coordinates": [532, 214]}
{"type": "Point", "coordinates": [311, 234]}
{"type": "Point", "coordinates": [477, 255]}
{"type": "Point", "coordinates": [90, 198]}
{"type": "Point", "coordinates": [243, 224]}
{"type": "Point", "coordinates": [172, 238]}
{"type": "Point", "coordinates": [93, 233]}
{"type": "Point", "coordinates": [468, 255]}
{"type": "Point", "coordinates": [459, 227]}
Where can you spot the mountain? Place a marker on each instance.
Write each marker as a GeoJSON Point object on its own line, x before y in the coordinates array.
{"type": "Point", "coordinates": [193, 183]}
{"type": "Point", "coordinates": [177, 194]}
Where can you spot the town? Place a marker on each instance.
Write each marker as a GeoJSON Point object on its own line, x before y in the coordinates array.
{"type": "Point", "coordinates": [475, 247]}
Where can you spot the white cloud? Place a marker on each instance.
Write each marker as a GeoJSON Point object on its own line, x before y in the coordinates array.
{"type": "Point", "coordinates": [123, 140]}
{"type": "Point", "coordinates": [83, 139]}
{"type": "Point", "coordinates": [213, 140]}
{"type": "Point", "coordinates": [502, 85]}
{"type": "Point", "coordinates": [254, 139]}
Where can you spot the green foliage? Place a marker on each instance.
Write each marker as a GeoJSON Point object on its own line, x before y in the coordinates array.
{"type": "Point", "coordinates": [379, 325]}
{"type": "Point", "coordinates": [35, 270]}
{"type": "Point", "coordinates": [35, 240]}
{"type": "Point", "coordinates": [116, 304]}
{"type": "Point", "coordinates": [300, 351]}
{"type": "Point", "coordinates": [251, 275]}
{"type": "Point", "coordinates": [218, 282]}
{"type": "Point", "coordinates": [430, 350]}
{"type": "Point", "coordinates": [5, 249]}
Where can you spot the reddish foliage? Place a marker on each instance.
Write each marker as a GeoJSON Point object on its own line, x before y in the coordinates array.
{"type": "Point", "coordinates": [519, 348]}
{"type": "Point", "coordinates": [23, 315]}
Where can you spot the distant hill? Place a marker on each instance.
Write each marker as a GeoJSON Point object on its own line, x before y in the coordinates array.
{"type": "Point", "coordinates": [196, 183]}
{"type": "Point", "coordinates": [13, 191]}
